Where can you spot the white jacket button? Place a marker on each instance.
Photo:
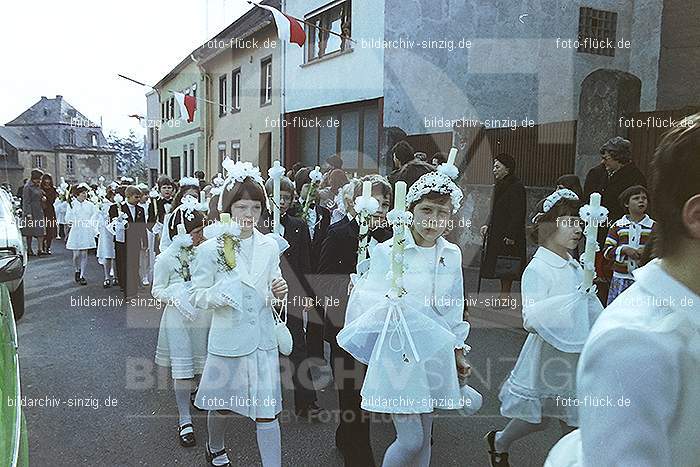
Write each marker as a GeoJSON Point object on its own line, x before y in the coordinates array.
{"type": "Point", "coordinates": [251, 322]}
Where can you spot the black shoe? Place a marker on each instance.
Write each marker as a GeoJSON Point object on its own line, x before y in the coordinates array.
{"type": "Point", "coordinates": [42, 253]}
{"type": "Point", "coordinates": [312, 412]}
{"type": "Point", "coordinates": [30, 253]}
{"type": "Point", "coordinates": [82, 281]}
{"type": "Point", "coordinates": [187, 440]}
{"type": "Point", "coordinates": [497, 459]}
{"type": "Point", "coordinates": [193, 398]}
{"type": "Point", "coordinates": [115, 281]}
{"type": "Point", "coordinates": [107, 284]}
{"type": "Point", "coordinates": [213, 455]}
{"type": "Point", "coordinates": [77, 277]}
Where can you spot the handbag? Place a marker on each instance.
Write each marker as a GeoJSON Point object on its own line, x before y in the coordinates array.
{"type": "Point", "coordinates": [282, 334]}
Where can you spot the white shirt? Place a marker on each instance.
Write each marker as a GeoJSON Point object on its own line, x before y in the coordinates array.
{"type": "Point", "coordinates": [132, 210]}
{"type": "Point", "coordinates": [311, 221]}
{"type": "Point", "coordinates": [642, 358]}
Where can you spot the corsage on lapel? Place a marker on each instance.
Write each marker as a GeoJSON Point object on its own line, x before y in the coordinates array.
{"type": "Point", "coordinates": [227, 235]}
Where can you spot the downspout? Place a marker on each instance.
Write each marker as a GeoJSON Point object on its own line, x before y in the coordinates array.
{"type": "Point", "coordinates": [205, 118]}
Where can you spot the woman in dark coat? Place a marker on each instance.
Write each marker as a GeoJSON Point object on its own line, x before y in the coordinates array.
{"type": "Point", "coordinates": [50, 195]}
{"type": "Point", "coordinates": [32, 199]}
{"type": "Point", "coordinates": [505, 232]}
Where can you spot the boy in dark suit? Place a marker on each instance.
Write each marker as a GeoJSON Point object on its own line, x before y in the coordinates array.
{"type": "Point", "coordinates": [338, 260]}
{"type": "Point", "coordinates": [296, 265]}
{"type": "Point", "coordinates": [129, 242]}
{"type": "Point", "coordinates": [160, 206]}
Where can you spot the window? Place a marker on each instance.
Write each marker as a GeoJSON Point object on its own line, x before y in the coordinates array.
{"type": "Point", "coordinates": [172, 107]}
{"type": "Point", "coordinates": [70, 137]}
{"type": "Point", "coordinates": [596, 31]}
{"type": "Point", "coordinates": [222, 151]}
{"type": "Point", "coordinates": [223, 102]}
{"type": "Point", "coordinates": [192, 159]}
{"type": "Point", "coordinates": [69, 164]}
{"type": "Point", "coordinates": [320, 42]}
{"type": "Point", "coordinates": [92, 139]}
{"type": "Point", "coordinates": [236, 90]}
{"type": "Point", "coordinates": [38, 162]}
{"type": "Point", "coordinates": [184, 159]}
{"type": "Point", "coordinates": [236, 150]}
{"type": "Point", "coordinates": [194, 91]}
{"type": "Point", "coordinates": [266, 81]}
{"type": "Point", "coordinates": [163, 117]}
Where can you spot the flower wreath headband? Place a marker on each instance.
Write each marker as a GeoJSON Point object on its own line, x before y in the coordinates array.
{"type": "Point", "coordinates": [553, 199]}
{"type": "Point", "coordinates": [186, 209]}
{"type": "Point", "coordinates": [437, 182]}
{"type": "Point", "coordinates": [237, 172]}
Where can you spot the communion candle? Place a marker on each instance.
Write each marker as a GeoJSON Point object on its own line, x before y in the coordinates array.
{"type": "Point", "coordinates": [591, 233]}
{"type": "Point", "coordinates": [400, 196]}
{"type": "Point", "coordinates": [276, 200]}
{"type": "Point", "coordinates": [181, 229]}
{"type": "Point", "coordinates": [202, 197]}
{"type": "Point", "coordinates": [452, 156]}
{"type": "Point", "coordinates": [366, 189]}
{"type": "Point", "coordinates": [225, 218]}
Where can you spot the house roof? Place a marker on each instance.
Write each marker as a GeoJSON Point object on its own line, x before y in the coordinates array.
{"type": "Point", "coordinates": [44, 127]}
{"type": "Point", "coordinates": [250, 22]}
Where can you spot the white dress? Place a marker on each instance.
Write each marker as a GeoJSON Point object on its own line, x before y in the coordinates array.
{"type": "Point", "coordinates": [409, 349]}
{"type": "Point", "coordinates": [105, 240]}
{"type": "Point", "coordinates": [242, 371]}
{"type": "Point", "coordinates": [81, 216]}
{"type": "Point", "coordinates": [640, 366]}
{"type": "Point", "coordinates": [182, 338]}
{"type": "Point", "coordinates": [60, 207]}
{"type": "Point", "coordinates": [543, 375]}
{"type": "Point", "coordinates": [165, 233]}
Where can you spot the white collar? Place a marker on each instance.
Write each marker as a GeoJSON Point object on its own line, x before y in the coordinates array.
{"type": "Point", "coordinates": [653, 278]}
{"type": "Point", "coordinates": [553, 259]}
{"type": "Point", "coordinates": [644, 222]}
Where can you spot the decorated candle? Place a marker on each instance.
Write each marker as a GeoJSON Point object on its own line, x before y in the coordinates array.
{"type": "Point", "coordinates": [276, 200]}
{"type": "Point", "coordinates": [400, 196]}
{"type": "Point", "coordinates": [452, 156]}
{"type": "Point", "coordinates": [366, 189]}
{"type": "Point", "coordinates": [202, 197]}
{"type": "Point", "coordinates": [591, 233]}
{"type": "Point", "coordinates": [181, 229]}
{"type": "Point", "coordinates": [225, 218]}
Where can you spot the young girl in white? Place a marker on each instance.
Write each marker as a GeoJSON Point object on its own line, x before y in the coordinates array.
{"type": "Point", "coordinates": [188, 186]}
{"type": "Point", "coordinates": [236, 273]}
{"type": "Point", "coordinates": [182, 339]}
{"type": "Point", "coordinates": [414, 352]}
{"type": "Point", "coordinates": [558, 315]}
{"type": "Point", "coordinates": [105, 239]}
{"type": "Point", "coordinates": [81, 238]}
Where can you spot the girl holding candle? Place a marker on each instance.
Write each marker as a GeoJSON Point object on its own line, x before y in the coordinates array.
{"type": "Point", "coordinates": [559, 308]}
{"type": "Point", "coordinates": [81, 238]}
{"type": "Point", "coordinates": [182, 339]}
{"type": "Point", "coordinates": [405, 320]}
{"type": "Point", "coordinates": [236, 274]}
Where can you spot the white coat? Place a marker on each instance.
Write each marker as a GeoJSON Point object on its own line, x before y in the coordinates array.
{"type": "Point", "coordinates": [238, 331]}
{"type": "Point", "coordinates": [81, 216]}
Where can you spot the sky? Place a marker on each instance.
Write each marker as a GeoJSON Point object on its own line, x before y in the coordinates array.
{"type": "Point", "coordinates": [75, 48]}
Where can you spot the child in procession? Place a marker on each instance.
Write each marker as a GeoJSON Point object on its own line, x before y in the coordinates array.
{"type": "Point", "coordinates": [160, 206]}
{"type": "Point", "coordinates": [338, 260]}
{"type": "Point", "coordinates": [105, 240]}
{"type": "Point", "coordinates": [627, 239]}
{"type": "Point", "coordinates": [182, 339]}
{"type": "Point", "coordinates": [544, 376]}
{"type": "Point", "coordinates": [146, 257]}
{"type": "Point", "coordinates": [295, 266]}
{"type": "Point", "coordinates": [418, 365]}
{"type": "Point", "coordinates": [129, 240]}
{"type": "Point", "coordinates": [81, 238]}
{"type": "Point", "coordinates": [236, 274]}
{"type": "Point", "coordinates": [188, 186]}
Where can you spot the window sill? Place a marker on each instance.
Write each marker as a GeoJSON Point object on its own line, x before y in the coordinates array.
{"type": "Point", "coordinates": [329, 56]}
{"type": "Point", "coordinates": [236, 111]}
{"type": "Point", "coordinates": [265, 104]}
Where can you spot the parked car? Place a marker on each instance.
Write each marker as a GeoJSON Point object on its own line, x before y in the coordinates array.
{"type": "Point", "coordinates": [13, 253]}
{"type": "Point", "coordinates": [14, 450]}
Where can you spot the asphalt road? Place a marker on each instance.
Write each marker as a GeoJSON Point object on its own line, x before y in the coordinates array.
{"type": "Point", "coordinates": [98, 399]}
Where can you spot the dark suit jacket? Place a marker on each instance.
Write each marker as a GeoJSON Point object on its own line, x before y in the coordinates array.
{"type": "Point", "coordinates": [337, 261]}
{"type": "Point", "coordinates": [135, 234]}
{"type": "Point", "coordinates": [157, 210]}
{"type": "Point", "coordinates": [323, 221]}
{"type": "Point", "coordinates": [296, 262]}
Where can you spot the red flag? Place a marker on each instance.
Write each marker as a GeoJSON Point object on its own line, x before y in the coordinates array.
{"type": "Point", "coordinates": [288, 28]}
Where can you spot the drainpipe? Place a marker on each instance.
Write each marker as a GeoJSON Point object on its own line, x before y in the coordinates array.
{"type": "Point", "coordinates": [206, 117]}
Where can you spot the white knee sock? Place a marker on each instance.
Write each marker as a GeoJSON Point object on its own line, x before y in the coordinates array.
{"type": "Point", "coordinates": [269, 443]}
{"type": "Point", "coordinates": [216, 425]}
{"type": "Point", "coordinates": [107, 267]}
{"type": "Point", "coordinates": [182, 397]}
{"type": "Point", "coordinates": [409, 441]}
{"type": "Point", "coordinates": [83, 262]}
{"type": "Point", "coordinates": [425, 450]}
{"type": "Point", "coordinates": [76, 260]}
{"type": "Point", "coordinates": [514, 430]}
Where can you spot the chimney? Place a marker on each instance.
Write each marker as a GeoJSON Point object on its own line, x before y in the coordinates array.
{"type": "Point", "coordinates": [59, 97]}
{"type": "Point", "coordinates": [43, 98]}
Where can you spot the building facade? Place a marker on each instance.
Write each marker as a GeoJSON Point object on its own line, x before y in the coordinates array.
{"type": "Point", "coordinates": [333, 103]}
{"type": "Point", "coordinates": [153, 124]}
{"type": "Point", "coordinates": [55, 137]}
{"type": "Point", "coordinates": [243, 70]}
{"type": "Point", "coordinates": [182, 148]}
